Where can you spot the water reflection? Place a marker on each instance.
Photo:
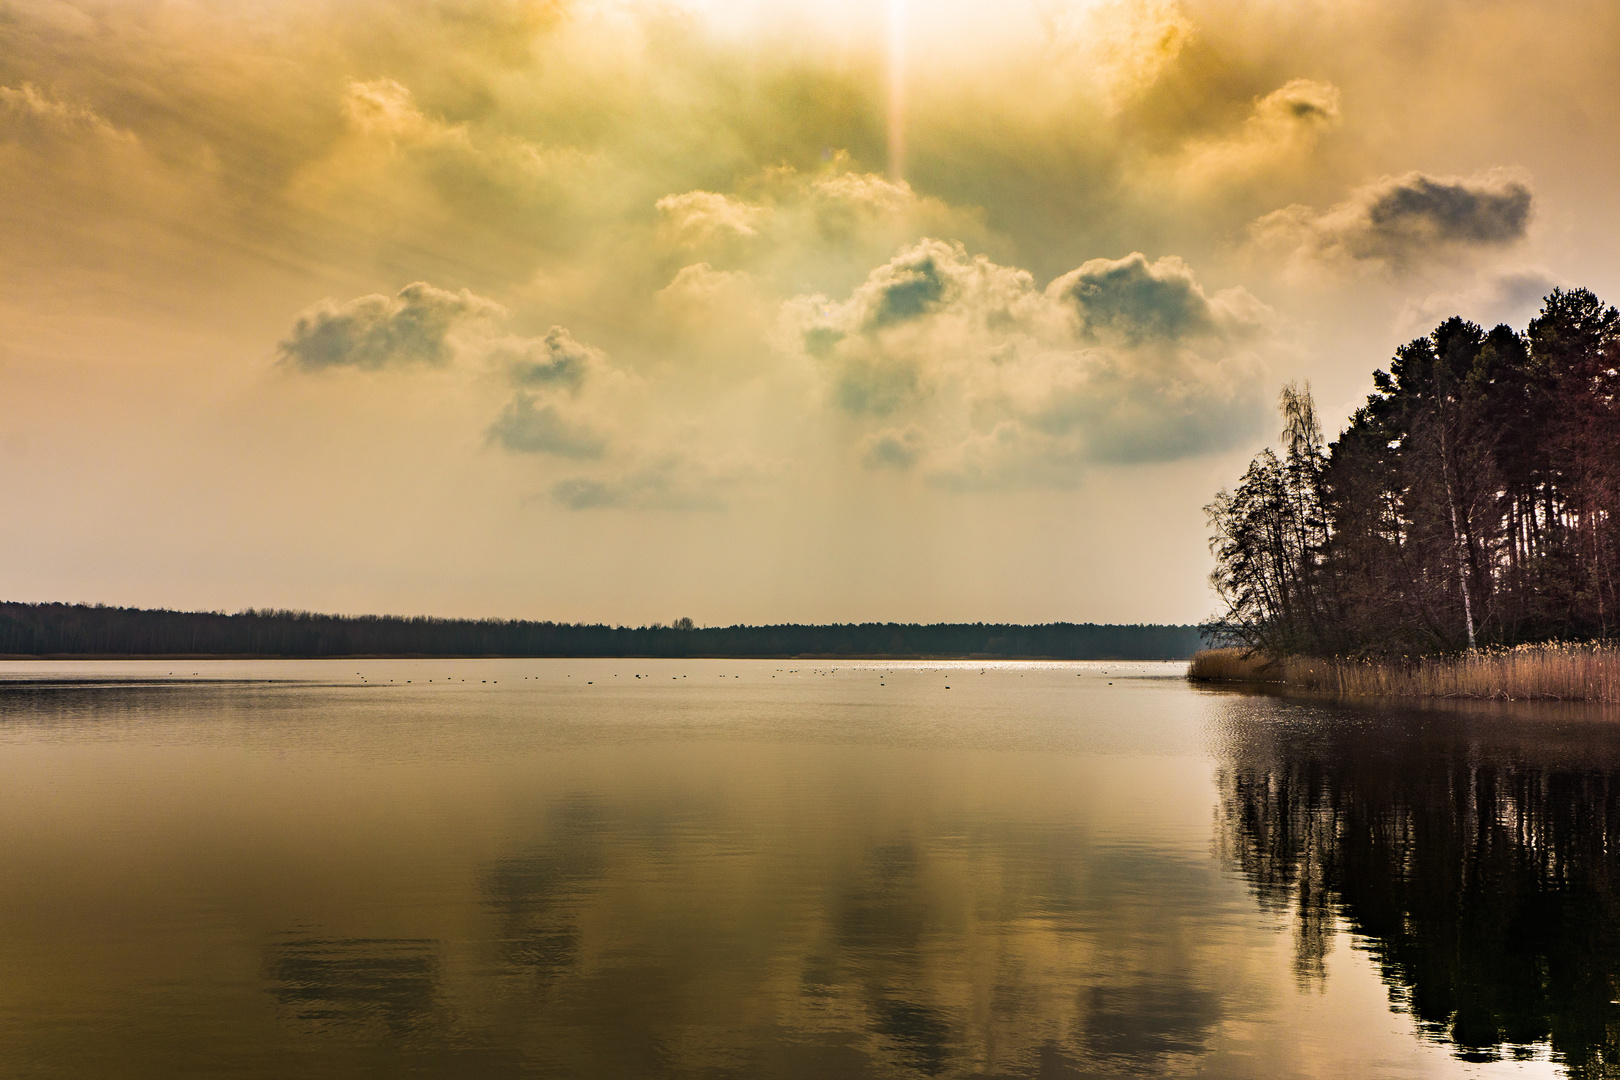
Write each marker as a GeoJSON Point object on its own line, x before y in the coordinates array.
{"type": "Point", "coordinates": [1474, 850]}
{"type": "Point", "coordinates": [761, 877]}
{"type": "Point", "coordinates": [356, 982]}
{"type": "Point", "coordinates": [972, 945]}
{"type": "Point", "coordinates": [1150, 1021]}
{"type": "Point", "coordinates": [534, 896]}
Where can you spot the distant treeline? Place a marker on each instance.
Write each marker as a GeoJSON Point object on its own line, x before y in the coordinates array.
{"type": "Point", "coordinates": [1474, 500]}
{"type": "Point", "coordinates": [94, 630]}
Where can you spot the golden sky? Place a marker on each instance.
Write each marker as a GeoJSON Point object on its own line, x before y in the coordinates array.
{"type": "Point", "coordinates": [745, 311]}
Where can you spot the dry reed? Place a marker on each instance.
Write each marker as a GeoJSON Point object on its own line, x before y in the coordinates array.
{"type": "Point", "coordinates": [1232, 665]}
{"type": "Point", "coordinates": [1527, 672]}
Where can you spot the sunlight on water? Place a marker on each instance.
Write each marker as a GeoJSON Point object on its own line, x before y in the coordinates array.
{"type": "Point", "coordinates": [637, 868]}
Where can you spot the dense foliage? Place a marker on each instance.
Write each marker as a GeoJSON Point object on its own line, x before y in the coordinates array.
{"type": "Point", "coordinates": [1474, 500]}
{"type": "Point", "coordinates": [81, 630]}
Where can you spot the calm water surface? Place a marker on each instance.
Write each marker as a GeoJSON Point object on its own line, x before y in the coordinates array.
{"type": "Point", "coordinates": [791, 869]}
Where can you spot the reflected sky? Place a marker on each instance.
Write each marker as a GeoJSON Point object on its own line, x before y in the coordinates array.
{"type": "Point", "coordinates": [783, 869]}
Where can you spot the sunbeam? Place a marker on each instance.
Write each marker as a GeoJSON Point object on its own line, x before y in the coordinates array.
{"type": "Point", "coordinates": [897, 90]}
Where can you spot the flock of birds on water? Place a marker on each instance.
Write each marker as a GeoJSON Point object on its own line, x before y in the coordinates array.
{"type": "Point", "coordinates": [592, 682]}
{"type": "Point", "coordinates": [675, 678]}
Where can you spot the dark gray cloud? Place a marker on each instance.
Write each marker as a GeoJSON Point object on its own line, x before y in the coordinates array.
{"type": "Point", "coordinates": [377, 331]}
{"type": "Point", "coordinates": [1402, 220]}
{"type": "Point", "coordinates": [1418, 207]}
{"type": "Point", "coordinates": [904, 289]}
{"type": "Point", "coordinates": [551, 411]}
{"type": "Point", "coordinates": [1141, 301]}
{"type": "Point", "coordinates": [417, 328]}
{"type": "Point", "coordinates": [555, 360]}
{"type": "Point", "coordinates": [530, 427]}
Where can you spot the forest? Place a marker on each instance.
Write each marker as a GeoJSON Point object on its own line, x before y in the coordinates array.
{"type": "Point", "coordinates": [94, 630]}
{"type": "Point", "coordinates": [1471, 502]}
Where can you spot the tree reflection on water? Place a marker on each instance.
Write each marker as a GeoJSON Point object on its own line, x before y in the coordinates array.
{"type": "Point", "coordinates": [299, 884]}
{"type": "Point", "coordinates": [1472, 852]}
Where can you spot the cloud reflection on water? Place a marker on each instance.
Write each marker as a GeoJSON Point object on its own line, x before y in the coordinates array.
{"type": "Point", "coordinates": [794, 875]}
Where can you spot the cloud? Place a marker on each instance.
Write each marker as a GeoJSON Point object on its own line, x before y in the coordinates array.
{"type": "Point", "coordinates": [982, 379]}
{"type": "Point", "coordinates": [440, 183]}
{"type": "Point", "coordinates": [1137, 301]}
{"type": "Point", "coordinates": [841, 202]}
{"type": "Point", "coordinates": [564, 396]}
{"type": "Point", "coordinates": [29, 115]}
{"type": "Point", "coordinates": [649, 490]}
{"type": "Point", "coordinates": [696, 218]}
{"type": "Point", "coordinates": [553, 360]}
{"type": "Point", "coordinates": [893, 448]}
{"type": "Point", "coordinates": [424, 326]}
{"type": "Point", "coordinates": [1299, 101]}
{"type": "Point", "coordinates": [1399, 221]}
{"type": "Point", "coordinates": [878, 385]}
{"type": "Point", "coordinates": [676, 481]}
{"type": "Point", "coordinates": [707, 301]}
{"type": "Point", "coordinates": [1509, 295]}
{"type": "Point", "coordinates": [416, 326]}
{"type": "Point", "coordinates": [530, 426]}
{"type": "Point", "coordinates": [1122, 46]}
{"type": "Point", "coordinates": [876, 343]}
{"type": "Point", "coordinates": [1281, 130]}
{"type": "Point", "coordinates": [75, 180]}
{"type": "Point", "coordinates": [385, 107]}
{"type": "Point", "coordinates": [835, 218]}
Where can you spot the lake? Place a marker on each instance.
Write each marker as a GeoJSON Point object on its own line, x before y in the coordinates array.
{"type": "Point", "coordinates": [719, 868]}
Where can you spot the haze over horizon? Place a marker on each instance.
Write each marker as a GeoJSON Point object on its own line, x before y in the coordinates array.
{"type": "Point", "coordinates": [748, 312]}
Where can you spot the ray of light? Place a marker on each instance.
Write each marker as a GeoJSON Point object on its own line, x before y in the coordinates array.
{"type": "Point", "coordinates": [897, 90]}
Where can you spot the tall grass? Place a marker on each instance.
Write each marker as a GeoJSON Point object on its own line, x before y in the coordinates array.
{"type": "Point", "coordinates": [1547, 672]}
{"type": "Point", "coordinates": [1232, 665]}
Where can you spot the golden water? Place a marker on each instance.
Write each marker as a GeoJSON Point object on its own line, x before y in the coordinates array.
{"type": "Point", "coordinates": [553, 868]}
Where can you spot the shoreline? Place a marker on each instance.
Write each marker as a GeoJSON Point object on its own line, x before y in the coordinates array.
{"type": "Point", "coordinates": [1582, 673]}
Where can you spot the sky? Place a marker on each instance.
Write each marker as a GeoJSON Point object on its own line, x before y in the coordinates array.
{"type": "Point", "coordinates": [741, 311]}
